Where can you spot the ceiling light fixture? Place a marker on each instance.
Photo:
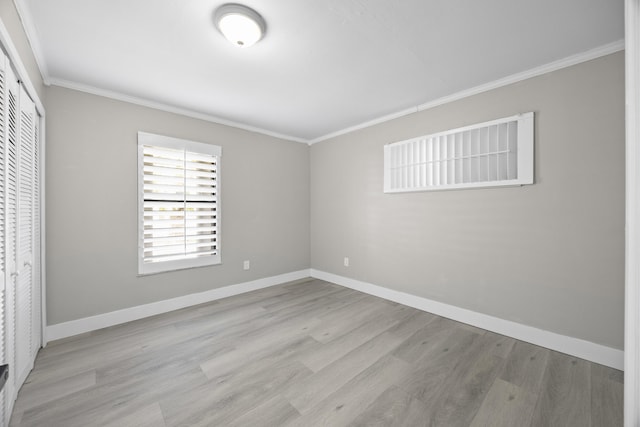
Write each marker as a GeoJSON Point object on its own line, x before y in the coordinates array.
{"type": "Point", "coordinates": [240, 24]}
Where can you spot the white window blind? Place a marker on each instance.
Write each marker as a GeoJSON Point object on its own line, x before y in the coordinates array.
{"type": "Point", "coordinates": [495, 153]}
{"type": "Point", "coordinates": [178, 220]}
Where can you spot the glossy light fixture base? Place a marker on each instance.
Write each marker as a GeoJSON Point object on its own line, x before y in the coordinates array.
{"type": "Point", "coordinates": [239, 24]}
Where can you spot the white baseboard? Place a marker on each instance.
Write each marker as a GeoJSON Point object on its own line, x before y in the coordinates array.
{"type": "Point", "coordinates": [576, 347]}
{"type": "Point", "coordinates": [573, 346]}
{"type": "Point", "coordinates": [87, 324]}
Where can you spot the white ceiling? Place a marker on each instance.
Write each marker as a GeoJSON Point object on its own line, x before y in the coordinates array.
{"type": "Point", "coordinates": [323, 66]}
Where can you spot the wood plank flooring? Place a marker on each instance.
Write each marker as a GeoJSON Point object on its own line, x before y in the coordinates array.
{"type": "Point", "coordinates": [311, 353]}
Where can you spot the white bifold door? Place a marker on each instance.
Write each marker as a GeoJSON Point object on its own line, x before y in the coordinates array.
{"type": "Point", "coordinates": [20, 282]}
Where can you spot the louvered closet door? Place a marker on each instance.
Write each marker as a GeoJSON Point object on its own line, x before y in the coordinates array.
{"type": "Point", "coordinates": [36, 283]}
{"type": "Point", "coordinates": [3, 291]}
{"type": "Point", "coordinates": [24, 249]}
{"type": "Point", "coordinates": [10, 114]}
{"type": "Point", "coordinates": [20, 283]}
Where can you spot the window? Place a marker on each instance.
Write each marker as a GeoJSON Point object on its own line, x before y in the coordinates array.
{"type": "Point", "coordinates": [178, 204]}
{"type": "Point", "coordinates": [489, 154]}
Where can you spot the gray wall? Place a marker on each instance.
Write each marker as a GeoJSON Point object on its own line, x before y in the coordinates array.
{"type": "Point", "coordinates": [92, 205]}
{"type": "Point", "coordinates": [549, 255]}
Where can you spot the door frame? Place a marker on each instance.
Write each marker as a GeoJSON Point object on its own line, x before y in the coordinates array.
{"type": "Point", "coordinates": [632, 240]}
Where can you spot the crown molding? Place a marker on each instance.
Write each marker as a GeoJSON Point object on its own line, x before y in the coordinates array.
{"type": "Point", "coordinates": [514, 78]}
{"type": "Point", "coordinates": [366, 124]}
{"type": "Point", "coordinates": [169, 108]}
{"type": "Point", "coordinates": [32, 36]}
{"type": "Point", "coordinates": [505, 81]}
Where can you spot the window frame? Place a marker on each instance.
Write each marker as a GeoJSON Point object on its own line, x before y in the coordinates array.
{"type": "Point", "coordinates": [161, 141]}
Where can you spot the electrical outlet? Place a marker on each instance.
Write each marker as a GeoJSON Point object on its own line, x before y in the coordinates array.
{"type": "Point", "coordinates": [246, 265]}
{"type": "Point", "coordinates": [346, 261]}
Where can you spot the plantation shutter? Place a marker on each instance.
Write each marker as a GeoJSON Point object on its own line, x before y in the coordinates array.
{"type": "Point", "coordinates": [179, 203]}
{"type": "Point", "coordinates": [489, 154]}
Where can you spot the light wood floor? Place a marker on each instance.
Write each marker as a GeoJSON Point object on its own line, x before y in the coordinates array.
{"type": "Point", "coordinates": [306, 354]}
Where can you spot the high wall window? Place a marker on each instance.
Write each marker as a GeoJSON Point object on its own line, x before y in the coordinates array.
{"type": "Point", "coordinates": [490, 154]}
{"type": "Point", "coordinates": [178, 204]}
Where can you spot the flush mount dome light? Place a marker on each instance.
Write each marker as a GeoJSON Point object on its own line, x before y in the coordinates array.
{"type": "Point", "coordinates": [241, 25]}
